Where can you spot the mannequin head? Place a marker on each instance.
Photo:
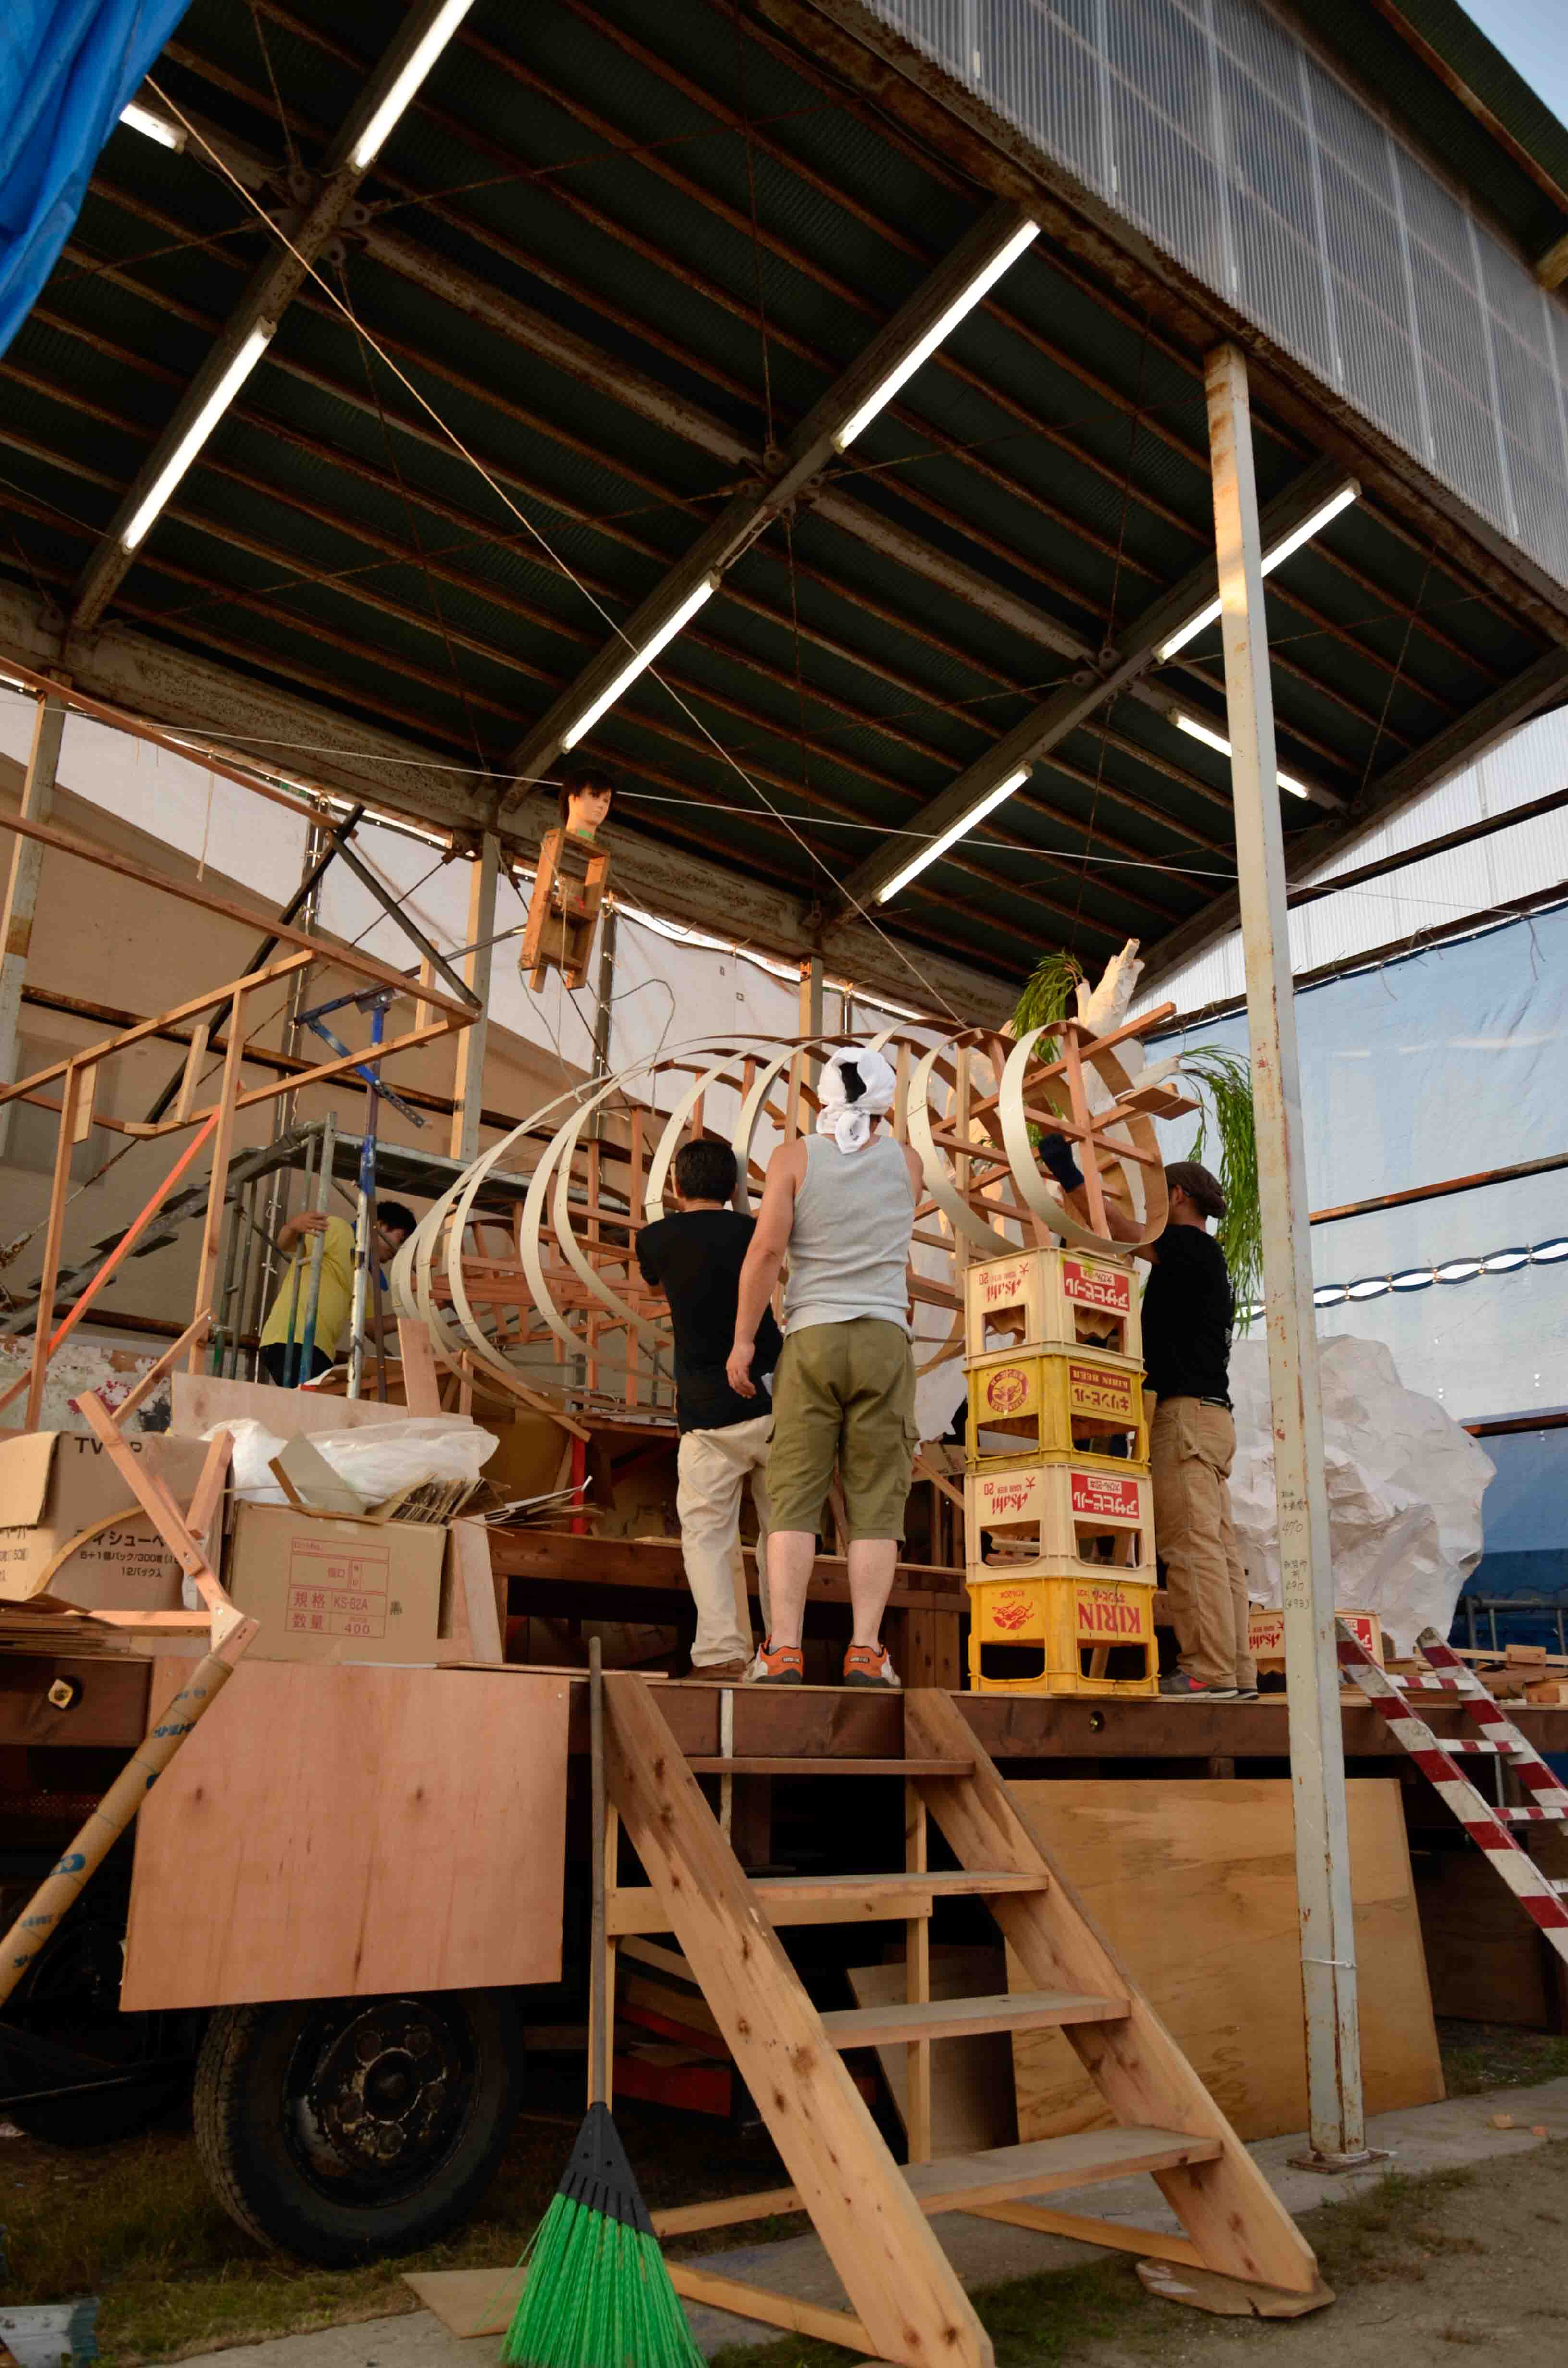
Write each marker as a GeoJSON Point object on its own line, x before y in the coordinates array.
{"type": "Point", "coordinates": [585, 795]}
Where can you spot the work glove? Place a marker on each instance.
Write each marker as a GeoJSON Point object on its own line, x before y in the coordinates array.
{"type": "Point", "coordinates": [1055, 1154]}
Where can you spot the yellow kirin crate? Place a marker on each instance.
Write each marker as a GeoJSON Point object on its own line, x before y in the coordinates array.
{"type": "Point", "coordinates": [1057, 1402]}
{"type": "Point", "coordinates": [1053, 1299]}
{"type": "Point", "coordinates": [1087, 1635]}
{"type": "Point", "coordinates": [1060, 1517]}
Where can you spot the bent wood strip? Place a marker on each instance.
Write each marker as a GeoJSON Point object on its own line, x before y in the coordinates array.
{"type": "Point", "coordinates": [1227, 2206]}
{"type": "Point", "coordinates": [897, 2279]}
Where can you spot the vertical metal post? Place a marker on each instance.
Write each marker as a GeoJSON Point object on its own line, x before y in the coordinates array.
{"type": "Point", "coordinates": [468, 1091]}
{"type": "Point", "coordinates": [21, 892]}
{"type": "Point", "coordinates": [318, 1250]}
{"type": "Point", "coordinates": [282, 1183]}
{"type": "Point", "coordinates": [365, 1221]}
{"type": "Point", "coordinates": [1317, 1742]}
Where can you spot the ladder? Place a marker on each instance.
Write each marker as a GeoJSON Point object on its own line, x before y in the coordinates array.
{"type": "Point", "coordinates": [1540, 1894]}
{"type": "Point", "coordinates": [907, 2303]}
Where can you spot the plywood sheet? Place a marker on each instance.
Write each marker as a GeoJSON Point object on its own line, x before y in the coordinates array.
{"type": "Point", "coordinates": [335, 1832]}
{"type": "Point", "coordinates": [972, 2079]}
{"type": "Point", "coordinates": [1194, 1883]}
{"type": "Point", "coordinates": [202, 1400]}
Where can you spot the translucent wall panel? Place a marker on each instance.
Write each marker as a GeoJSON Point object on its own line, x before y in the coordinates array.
{"type": "Point", "coordinates": [1214, 128]}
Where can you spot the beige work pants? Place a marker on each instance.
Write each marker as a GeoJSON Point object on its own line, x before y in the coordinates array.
{"type": "Point", "coordinates": [1191, 1449]}
{"type": "Point", "coordinates": [714, 1466]}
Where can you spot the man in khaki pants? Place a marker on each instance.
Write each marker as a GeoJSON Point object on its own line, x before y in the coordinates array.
{"type": "Point", "coordinates": [1188, 1313]}
{"type": "Point", "coordinates": [695, 1258]}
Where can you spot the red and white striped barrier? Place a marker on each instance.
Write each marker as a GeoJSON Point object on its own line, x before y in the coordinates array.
{"type": "Point", "coordinates": [1499, 1739]}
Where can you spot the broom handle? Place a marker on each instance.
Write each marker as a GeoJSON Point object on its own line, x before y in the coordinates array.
{"type": "Point", "coordinates": [598, 2002]}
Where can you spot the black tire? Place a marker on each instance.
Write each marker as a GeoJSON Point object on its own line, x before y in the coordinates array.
{"type": "Point", "coordinates": [337, 2129]}
{"type": "Point", "coordinates": [70, 1999]}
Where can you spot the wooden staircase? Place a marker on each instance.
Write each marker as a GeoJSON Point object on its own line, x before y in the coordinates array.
{"type": "Point", "coordinates": [870, 2215]}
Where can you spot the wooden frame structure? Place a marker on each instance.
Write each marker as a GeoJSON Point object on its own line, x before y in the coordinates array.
{"type": "Point", "coordinates": [569, 888]}
{"type": "Point", "coordinates": [966, 1100]}
{"type": "Point", "coordinates": [438, 1014]}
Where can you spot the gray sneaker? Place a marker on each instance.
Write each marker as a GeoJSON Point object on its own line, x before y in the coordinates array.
{"type": "Point", "coordinates": [1179, 1687]}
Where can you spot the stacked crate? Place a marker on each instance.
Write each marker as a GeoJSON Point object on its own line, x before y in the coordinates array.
{"type": "Point", "coordinates": [1058, 1514]}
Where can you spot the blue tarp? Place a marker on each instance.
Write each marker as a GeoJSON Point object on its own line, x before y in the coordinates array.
{"type": "Point", "coordinates": [67, 67]}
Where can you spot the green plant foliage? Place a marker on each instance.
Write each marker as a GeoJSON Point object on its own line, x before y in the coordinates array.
{"type": "Point", "coordinates": [1047, 997]}
{"type": "Point", "coordinates": [1224, 1080]}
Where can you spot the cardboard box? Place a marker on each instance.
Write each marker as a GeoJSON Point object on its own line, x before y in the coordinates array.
{"type": "Point", "coordinates": [336, 1590]}
{"type": "Point", "coordinates": [53, 1484]}
{"type": "Point", "coordinates": [1266, 1635]}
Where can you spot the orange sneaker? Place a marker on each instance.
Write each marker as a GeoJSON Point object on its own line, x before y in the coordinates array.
{"type": "Point", "coordinates": [776, 1664]}
{"type": "Point", "coordinates": [867, 1664]}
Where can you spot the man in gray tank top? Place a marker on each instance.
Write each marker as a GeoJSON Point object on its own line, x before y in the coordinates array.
{"type": "Point", "coordinates": [841, 1204]}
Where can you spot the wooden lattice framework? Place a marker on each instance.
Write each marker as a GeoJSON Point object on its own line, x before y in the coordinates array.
{"type": "Point", "coordinates": [967, 1100]}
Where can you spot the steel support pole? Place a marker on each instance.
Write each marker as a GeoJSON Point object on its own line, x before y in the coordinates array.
{"type": "Point", "coordinates": [21, 893]}
{"type": "Point", "coordinates": [468, 1091]}
{"type": "Point", "coordinates": [1317, 1744]}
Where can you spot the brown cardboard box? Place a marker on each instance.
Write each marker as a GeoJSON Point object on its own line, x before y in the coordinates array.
{"type": "Point", "coordinates": [53, 1484]}
{"type": "Point", "coordinates": [334, 1591]}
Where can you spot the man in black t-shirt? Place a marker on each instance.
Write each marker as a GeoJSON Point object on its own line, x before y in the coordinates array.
{"type": "Point", "coordinates": [1187, 1316]}
{"type": "Point", "coordinates": [695, 1258]}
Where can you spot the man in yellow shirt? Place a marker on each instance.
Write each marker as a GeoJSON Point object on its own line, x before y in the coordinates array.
{"type": "Point", "coordinates": [282, 1360]}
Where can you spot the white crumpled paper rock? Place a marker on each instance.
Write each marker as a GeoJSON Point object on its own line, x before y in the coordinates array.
{"type": "Point", "coordinates": [1404, 1488]}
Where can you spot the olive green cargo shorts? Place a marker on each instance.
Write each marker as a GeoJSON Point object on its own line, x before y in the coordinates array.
{"type": "Point", "coordinates": [844, 1394]}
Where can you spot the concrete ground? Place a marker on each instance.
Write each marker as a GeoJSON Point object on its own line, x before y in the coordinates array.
{"type": "Point", "coordinates": [1425, 2138]}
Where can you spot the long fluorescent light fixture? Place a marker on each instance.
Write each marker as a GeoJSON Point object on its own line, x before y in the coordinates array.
{"type": "Point", "coordinates": [1190, 725]}
{"type": "Point", "coordinates": [965, 822]}
{"type": "Point", "coordinates": [986, 276]}
{"type": "Point", "coordinates": [141, 119]}
{"type": "Point", "coordinates": [419, 62]}
{"type": "Point", "coordinates": [196, 434]}
{"type": "Point", "coordinates": [1272, 558]}
{"type": "Point", "coordinates": [640, 659]}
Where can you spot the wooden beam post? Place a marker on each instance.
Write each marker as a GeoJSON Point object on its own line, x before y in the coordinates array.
{"type": "Point", "coordinates": [1317, 1744]}
{"type": "Point", "coordinates": [54, 1233]}
{"type": "Point", "coordinates": [21, 892]}
{"type": "Point", "coordinates": [468, 1091]}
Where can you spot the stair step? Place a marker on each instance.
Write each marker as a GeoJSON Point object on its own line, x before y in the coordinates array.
{"type": "Point", "coordinates": [1452, 1743]}
{"type": "Point", "coordinates": [895, 1898]}
{"type": "Point", "coordinates": [963, 2181]}
{"type": "Point", "coordinates": [1532, 1816]}
{"type": "Point", "coordinates": [871, 2026]}
{"type": "Point", "coordinates": [706, 1764]}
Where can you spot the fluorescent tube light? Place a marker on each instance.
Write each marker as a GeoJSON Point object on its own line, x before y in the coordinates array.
{"type": "Point", "coordinates": [986, 276]}
{"type": "Point", "coordinates": [420, 61]}
{"type": "Point", "coordinates": [1277, 553]}
{"type": "Point", "coordinates": [641, 658]}
{"type": "Point", "coordinates": [1190, 725]}
{"type": "Point", "coordinates": [141, 119]}
{"type": "Point", "coordinates": [196, 434]}
{"type": "Point", "coordinates": [956, 830]}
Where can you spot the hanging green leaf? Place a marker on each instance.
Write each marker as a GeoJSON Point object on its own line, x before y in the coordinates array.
{"type": "Point", "coordinates": [1047, 997]}
{"type": "Point", "coordinates": [1224, 1082]}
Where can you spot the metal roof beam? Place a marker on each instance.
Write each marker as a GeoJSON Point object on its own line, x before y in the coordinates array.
{"type": "Point", "coordinates": [1073, 703]}
{"type": "Point", "coordinates": [816, 444]}
{"type": "Point", "coordinates": [272, 288]}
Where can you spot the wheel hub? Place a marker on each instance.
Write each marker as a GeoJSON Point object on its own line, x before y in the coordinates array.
{"type": "Point", "coordinates": [386, 2089]}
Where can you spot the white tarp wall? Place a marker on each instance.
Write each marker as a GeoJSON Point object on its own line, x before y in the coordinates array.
{"type": "Point", "coordinates": [1440, 1065]}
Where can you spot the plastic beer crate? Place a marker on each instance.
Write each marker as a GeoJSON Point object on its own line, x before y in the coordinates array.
{"type": "Point", "coordinates": [1058, 1517]}
{"type": "Point", "coordinates": [1083, 1402]}
{"type": "Point", "coordinates": [1066, 1635]}
{"type": "Point", "coordinates": [1053, 1299]}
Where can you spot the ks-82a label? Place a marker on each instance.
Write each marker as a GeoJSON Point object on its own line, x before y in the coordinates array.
{"type": "Point", "coordinates": [337, 1592]}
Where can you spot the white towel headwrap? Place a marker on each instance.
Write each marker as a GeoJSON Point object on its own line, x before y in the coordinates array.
{"type": "Point", "coordinates": [850, 1123]}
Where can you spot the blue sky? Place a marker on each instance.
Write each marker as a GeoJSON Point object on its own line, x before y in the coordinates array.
{"type": "Point", "coordinates": [1533, 36]}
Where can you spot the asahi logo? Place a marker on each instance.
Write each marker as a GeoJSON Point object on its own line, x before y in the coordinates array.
{"type": "Point", "coordinates": [1011, 1498]}
{"type": "Point", "coordinates": [999, 1285]}
{"type": "Point", "coordinates": [1005, 1390]}
{"type": "Point", "coordinates": [1098, 1286]}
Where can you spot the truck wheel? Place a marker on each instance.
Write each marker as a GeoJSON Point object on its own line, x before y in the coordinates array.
{"type": "Point", "coordinates": [340, 2128]}
{"type": "Point", "coordinates": [71, 1999]}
